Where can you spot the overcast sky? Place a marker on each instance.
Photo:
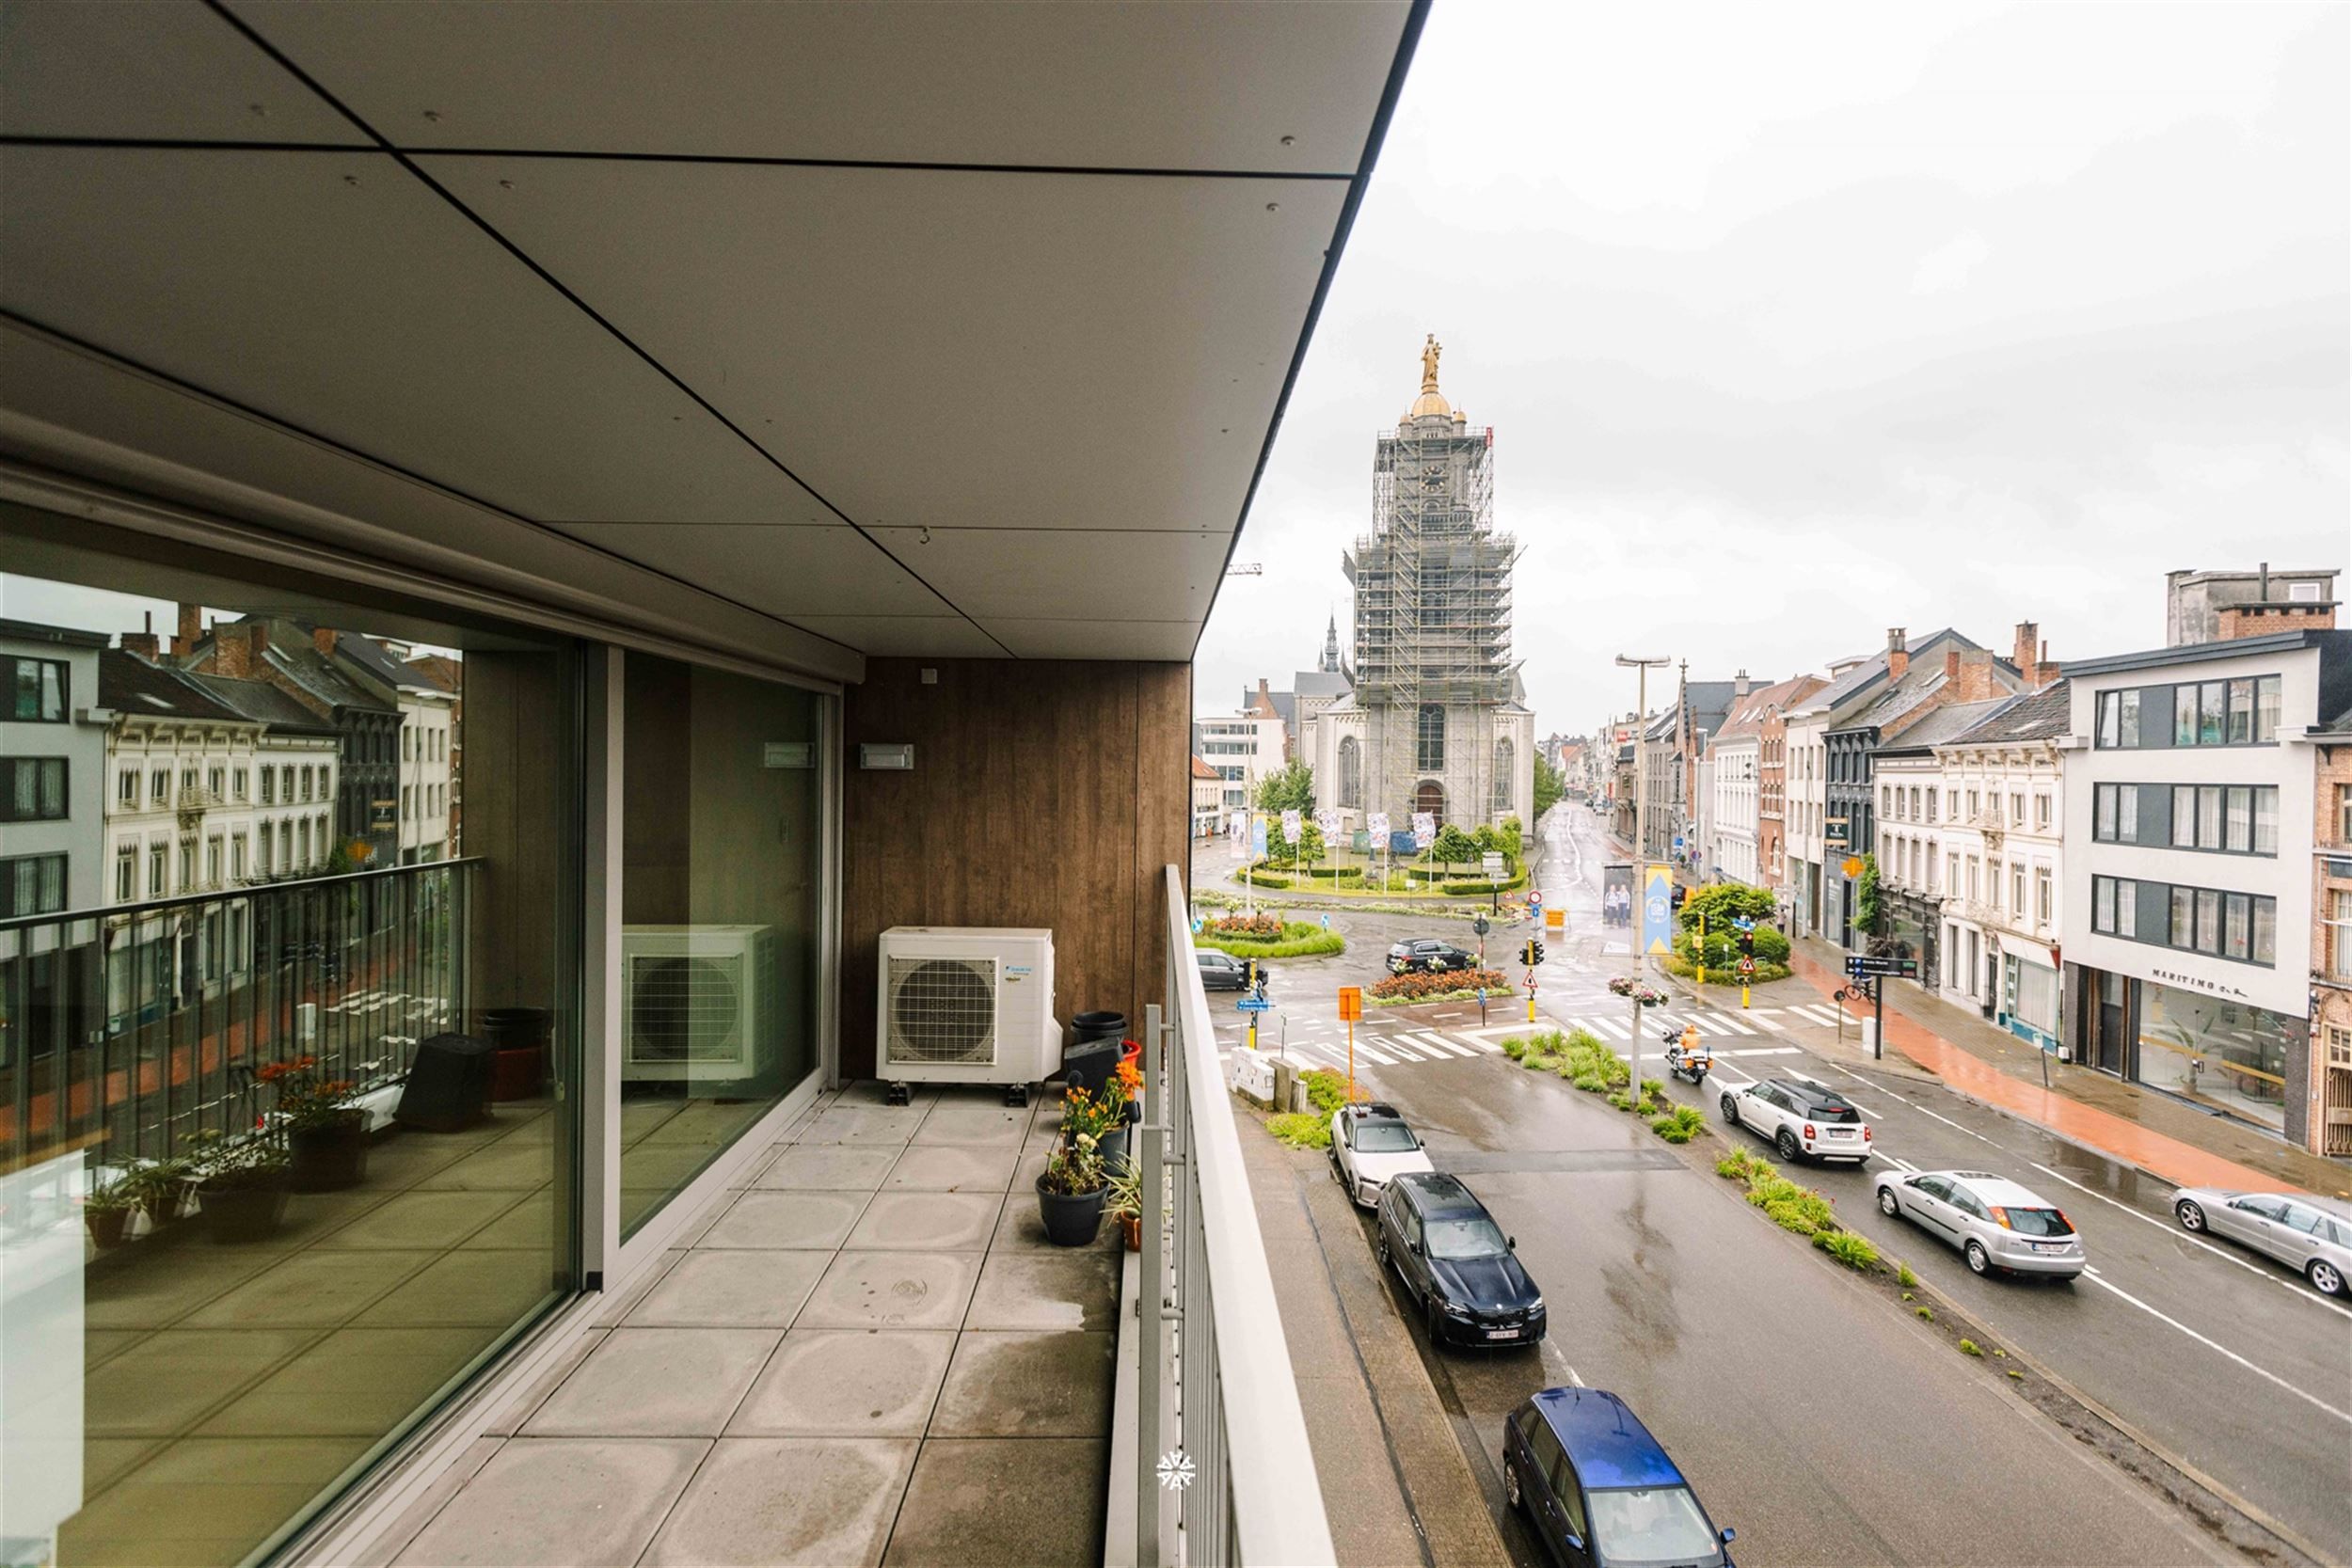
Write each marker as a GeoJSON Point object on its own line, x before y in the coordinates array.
{"type": "Point", "coordinates": [1797, 321]}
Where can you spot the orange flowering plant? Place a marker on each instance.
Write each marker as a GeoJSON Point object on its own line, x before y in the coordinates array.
{"type": "Point", "coordinates": [305, 1099]}
{"type": "Point", "coordinates": [1130, 1077]}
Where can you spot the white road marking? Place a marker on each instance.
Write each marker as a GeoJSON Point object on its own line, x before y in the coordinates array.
{"type": "Point", "coordinates": [1486, 1046]}
{"type": "Point", "coordinates": [1950, 1122]}
{"type": "Point", "coordinates": [1607, 1027]}
{"type": "Point", "coordinates": [1763, 1050]}
{"type": "Point", "coordinates": [2299, 1392]}
{"type": "Point", "coordinates": [1733, 1024]}
{"type": "Point", "coordinates": [1365, 1049]}
{"type": "Point", "coordinates": [1454, 1048]}
{"type": "Point", "coordinates": [1401, 1048]}
{"type": "Point", "coordinates": [2214, 1247]}
{"type": "Point", "coordinates": [1900, 1165]}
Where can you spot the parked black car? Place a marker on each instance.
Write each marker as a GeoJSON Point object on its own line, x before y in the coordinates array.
{"type": "Point", "coordinates": [1457, 1262]}
{"type": "Point", "coordinates": [1223, 972]}
{"type": "Point", "coordinates": [1426, 953]}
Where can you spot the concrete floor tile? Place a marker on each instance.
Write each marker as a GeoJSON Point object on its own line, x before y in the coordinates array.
{"type": "Point", "coordinates": [953, 1167]}
{"type": "Point", "coordinates": [148, 1291]}
{"type": "Point", "coordinates": [320, 1289]}
{"type": "Point", "coordinates": [786, 1219]}
{"type": "Point", "coordinates": [157, 1388]}
{"type": "Point", "coordinates": [484, 1289]}
{"type": "Point", "coordinates": [107, 1460]}
{"type": "Point", "coordinates": [1020, 1228]}
{"type": "Point", "coordinates": [840, 1382]}
{"type": "Point", "coordinates": [356, 1382]}
{"type": "Point", "coordinates": [927, 1222]}
{"type": "Point", "coordinates": [509, 1417]}
{"type": "Point", "coordinates": [619, 1303]}
{"type": "Point", "coordinates": [866, 1124]}
{"type": "Point", "coordinates": [1032, 1165]}
{"type": "Point", "coordinates": [1061, 1289]}
{"type": "Point", "coordinates": [665, 1165]}
{"type": "Point", "coordinates": [873, 1091]}
{"type": "Point", "coordinates": [960, 1121]}
{"type": "Point", "coordinates": [388, 1542]}
{"type": "Point", "coordinates": [500, 1168]}
{"type": "Point", "coordinates": [846, 1168]}
{"type": "Point", "coordinates": [893, 1289]}
{"type": "Point", "coordinates": [417, 1219]}
{"type": "Point", "coordinates": [561, 1503]}
{"type": "Point", "coordinates": [760, 1501]}
{"type": "Point", "coordinates": [657, 1383]}
{"type": "Point", "coordinates": [712, 1124]}
{"type": "Point", "coordinates": [987, 1503]}
{"type": "Point", "coordinates": [528, 1226]}
{"type": "Point", "coordinates": [1007, 1384]}
{"type": "Point", "coordinates": [718, 1289]}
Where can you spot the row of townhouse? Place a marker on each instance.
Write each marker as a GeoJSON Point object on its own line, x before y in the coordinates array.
{"type": "Point", "coordinates": [2142, 862]}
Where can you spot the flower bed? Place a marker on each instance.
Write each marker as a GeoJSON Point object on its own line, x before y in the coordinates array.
{"type": "Point", "coordinates": [1404, 989]}
{"type": "Point", "coordinates": [1628, 986]}
{"type": "Point", "coordinates": [1798, 1209]}
{"type": "Point", "coordinates": [1269, 936]}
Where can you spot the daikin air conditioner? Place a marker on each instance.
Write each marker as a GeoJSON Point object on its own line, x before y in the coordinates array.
{"type": "Point", "coordinates": [966, 1005]}
{"type": "Point", "coordinates": [696, 1001]}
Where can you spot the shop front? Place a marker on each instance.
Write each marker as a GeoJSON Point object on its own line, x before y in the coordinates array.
{"type": "Point", "coordinates": [2029, 1004]}
{"type": "Point", "coordinates": [2220, 1053]}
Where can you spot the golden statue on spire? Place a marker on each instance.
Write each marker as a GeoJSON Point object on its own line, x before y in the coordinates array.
{"type": "Point", "coordinates": [1429, 352]}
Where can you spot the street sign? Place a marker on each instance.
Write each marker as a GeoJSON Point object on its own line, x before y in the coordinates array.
{"type": "Point", "coordinates": [1534, 898]}
{"type": "Point", "coordinates": [1254, 1004]}
{"type": "Point", "coordinates": [1556, 920]}
{"type": "Point", "coordinates": [1741, 923]}
{"type": "Point", "coordinates": [1479, 925]}
{"type": "Point", "coordinates": [1530, 982]}
{"type": "Point", "coordinates": [1351, 1003]}
{"type": "Point", "coordinates": [1862, 965]}
{"type": "Point", "coordinates": [1850, 865]}
{"type": "Point", "coordinates": [1658, 910]}
{"type": "Point", "coordinates": [1747, 966]}
{"type": "Point", "coordinates": [1833, 830]}
{"type": "Point", "coordinates": [1490, 864]}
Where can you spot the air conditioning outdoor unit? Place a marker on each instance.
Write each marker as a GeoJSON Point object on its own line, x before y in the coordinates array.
{"type": "Point", "coordinates": [696, 1001]}
{"type": "Point", "coordinates": [966, 1005]}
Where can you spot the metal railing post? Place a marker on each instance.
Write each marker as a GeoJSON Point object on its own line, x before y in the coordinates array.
{"type": "Point", "coordinates": [1151, 1277]}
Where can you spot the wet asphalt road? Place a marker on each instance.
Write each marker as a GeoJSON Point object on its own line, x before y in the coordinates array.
{"type": "Point", "coordinates": [1811, 1414]}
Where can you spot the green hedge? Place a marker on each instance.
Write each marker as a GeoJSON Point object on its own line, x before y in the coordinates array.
{"type": "Point", "coordinates": [1299, 940]}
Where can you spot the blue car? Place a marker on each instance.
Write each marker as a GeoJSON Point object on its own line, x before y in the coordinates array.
{"type": "Point", "coordinates": [1599, 1489]}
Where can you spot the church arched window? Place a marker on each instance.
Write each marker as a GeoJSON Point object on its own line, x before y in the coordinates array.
{"type": "Point", "coordinates": [1503, 759]}
{"type": "Point", "coordinates": [1351, 772]}
{"type": "Point", "coordinates": [1429, 749]}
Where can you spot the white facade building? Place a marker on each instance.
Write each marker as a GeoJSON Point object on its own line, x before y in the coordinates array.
{"type": "Point", "coordinates": [1243, 748]}
{"type": "Point", "coordinates": [2190, 810]}
{"type": "Point", "coordinates": [425, 724]}
{"type": "Point", "coordinates": [53, 769]}
{"type": "Point", "coordinates": [1731, 811]}
{"type": "Point", "coordinates": [2002, 783]}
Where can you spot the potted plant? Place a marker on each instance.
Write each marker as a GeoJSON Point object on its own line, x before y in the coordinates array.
{"type": "Point", "coordinates": [326, 1136]}
{"type": "Point", "coordinates": [160, 1188]}
{"type": "Point", "coordinates": [106, 1209]}
{"type": "Point", "coordinates": [1649, 996]}
{"type": "Point", "coordinates": [1070, 1192]}
{"type": "Point", "coordinates": [246, 1189]}
{"type": "Point", "coordinates": [1123, 1197]}
{"type": "Point", "coordinates": [1101, 1115]}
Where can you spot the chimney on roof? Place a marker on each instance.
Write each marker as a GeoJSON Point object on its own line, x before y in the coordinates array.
{"type": "Point", "coordinates": [1739, 684]}
{"type": "Point", "coordinates": [1973, 672]}
{"type": "Point", "coordinates": [142, 643]}
{"type": "Point", "coordinates": [1898, 654]}
{"type": "Point", "coordinates": [322, 639]}
{"type": "Point", "coordinates": [2028, 636]}
{"type": "Point", "coordinates": [191, 629]}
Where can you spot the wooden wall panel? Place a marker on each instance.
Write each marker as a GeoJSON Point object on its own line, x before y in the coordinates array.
{"type": "Point", "coordinates": [1044, 793]}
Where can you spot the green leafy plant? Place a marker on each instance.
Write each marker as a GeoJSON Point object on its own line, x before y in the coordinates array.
{"type": "Point", "coordinates": [1422, 987]}
{"type": "Point", "coordinates": [1453, 846]}
{"type": "Point", "coordinates": [1652, 1087]}
{"type": "Point", "coordinates": [2015, 1373]}
{"type": "Point", "coordinates": [1904, 1278]}
{"type": "Point", "coordinates": [110, 1197]}
{"type": "Point", "coordinates": [1924, 1314]}
{"type": "Point", "coordinates": [1551, 784]}
{"type": "Point", "coordinates": [1513, 1047]}
{"type": "Point", "coordinates": [1289, 787]}
{"type": "Point", "coordinates": [245, 1162]}
{"type": "Point", "coordinates": [1301, 1130]}
{"type": "Point", "coordinates": [307, 1099]}
{"type": "Point", "coordinates": [1327, 1090]}
{"type": "Point", "coordinates": [1907, 1296]}
{"type": "Point", "coordinates": [1090, 1115]}
{"type": "Point", "coordinates": [1621, 1102]}
{"type": "Point", "coordinates": [1853, 1251]}
{"type": "Point", "coordinates": [1074, 1169]}
{"type": "Point", "coordinates": [1969, 1347]}
{"type": "Point", "coordinates": [1122, 1188]}
{"type": "Point", "coordinates": [1866, 897]}
{"type": "Point", "coordinates": [1679, 1125]}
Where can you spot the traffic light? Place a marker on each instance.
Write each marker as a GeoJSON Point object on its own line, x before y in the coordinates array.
{"type": "Point", "coordinates": [1747, 944]}
{"type": "Point", "coordinates": [1250, 974]}
{"type": "Point", "coordinates": [1532, 953]}
{"type": "Point", "coordinates": [1680, 893]}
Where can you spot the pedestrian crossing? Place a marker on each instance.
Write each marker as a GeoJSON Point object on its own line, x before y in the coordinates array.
{"type": "Point", "coordinates": [1402, 1047]}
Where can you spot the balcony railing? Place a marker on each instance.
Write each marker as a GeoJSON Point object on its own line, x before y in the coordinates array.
{"type": "Point", "coordinates": [1212, 1355]}
{"type": "Point", "coordinates": [131, 1028]}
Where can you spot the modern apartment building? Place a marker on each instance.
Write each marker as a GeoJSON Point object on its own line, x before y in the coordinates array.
{"type": "Point", "coordinates": [669, 366]}
{"type": "Point", "coordinates": [52, 772]}
{"type": "Point", "coordinates": [2192, 810]}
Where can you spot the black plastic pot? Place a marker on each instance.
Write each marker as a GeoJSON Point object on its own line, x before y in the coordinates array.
{"type": "Point", "coordinates": [245, 1214]}
{"type": "Point", "coordinates": [1070, 1220]}
{"type": "Point", "coordinates": [327, 1159]}
{"type": "Point", "coordinates": [1098, 1027]}
{"type": "Point", "coordinates": [1112, 1145]}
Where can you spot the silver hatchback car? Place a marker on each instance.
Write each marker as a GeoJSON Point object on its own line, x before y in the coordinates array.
{"type": "Point", "coordinates": [1995, 1223]}
{"type": "Point", "coordinates": [2315, 1242]}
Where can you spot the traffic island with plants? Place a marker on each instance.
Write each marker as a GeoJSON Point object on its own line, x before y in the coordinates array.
{"type": "Point", "coordinates": [1267, 936]}
{"type": "Point", "coordinates": [1452, 985]}
{"type": "Point", "coordinates": [1713, 909]}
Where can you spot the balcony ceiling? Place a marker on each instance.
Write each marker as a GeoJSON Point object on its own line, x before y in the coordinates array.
{"type": "Point", "coordinates": [923, 329]}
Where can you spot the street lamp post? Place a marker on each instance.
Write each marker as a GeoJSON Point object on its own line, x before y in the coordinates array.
{"type": "Point", "coordinates": [1641, 836]}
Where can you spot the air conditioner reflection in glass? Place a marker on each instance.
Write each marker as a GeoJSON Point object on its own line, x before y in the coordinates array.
{"type": "Point", "coordinates": [698, 1001]}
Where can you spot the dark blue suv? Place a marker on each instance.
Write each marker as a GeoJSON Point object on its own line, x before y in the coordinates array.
{"type": "Point", "coordinates": [1599, 1490]}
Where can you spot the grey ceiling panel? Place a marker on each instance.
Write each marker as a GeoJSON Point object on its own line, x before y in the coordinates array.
{"type": "Point", "coordinates": [1077, 82]}
{"type": "Point", "coordinates": [785, 572]}
{"type": "Point", "coordinates": [955, 349]}
{"type": "Point", "coordinates": [336, 291]}
{"type": "Point", "coordinates": [905, 635]}
{"type": "Point", "coordinates": [1059, 574]}
{"type": "Point", "coordinates": [1105, 639]}
{"type": "Point", "coordinates": [157, 71]}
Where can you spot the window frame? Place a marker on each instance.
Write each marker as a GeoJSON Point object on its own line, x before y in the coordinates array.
{"type": "Point", "coordinates": [11, 666]}
{"type": "Point", "coordinates": [49, 869]}
{"type": "Point", "coordinates": [12, 767]}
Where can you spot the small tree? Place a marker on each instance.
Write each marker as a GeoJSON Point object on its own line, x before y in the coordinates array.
{"type": "Point", "coordinates": [1311, 848]}
{"type": "Point", "coordinates": [1866, 898]}
{"type": "Point", "coordinates": [1453, 845]}
{"type": "Point", "coordinates": [1488, 841]}
{"type": "Point", "coordinates": [1721, 902]}
{"type": "Point", "coordinates": [1551, 784]}
{"type": "Point", "coordinates": [1512, 836]}
{"type": "Point", "coordinates": [1290, 788]}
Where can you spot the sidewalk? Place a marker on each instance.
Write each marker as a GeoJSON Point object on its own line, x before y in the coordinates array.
{"type": "Point", "coordinates": [2152, 1131]}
